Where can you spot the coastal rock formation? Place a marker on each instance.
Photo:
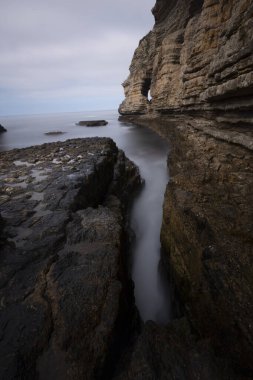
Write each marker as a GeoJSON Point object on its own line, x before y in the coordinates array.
{"type": "Point", "coordinates": [64, 293]}
{"type": "Point", "coordinates": [92, 123]}
{"type": "Point", "coordinates": [197, 64]}
{"type": "Point", "coordinates": [172, 352]}
{"type": "Point", "coordinates": [199, 56]}
{"type": "Point", "coordinates": [207, 235]}
{"type": "Point", "coordinates": [2, 129]}
{"type": "Point", "coordinates": [207, 239]}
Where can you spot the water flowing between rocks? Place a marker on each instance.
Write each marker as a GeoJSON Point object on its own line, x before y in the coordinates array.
{"type": "Point", "coordinates": [149, 152]}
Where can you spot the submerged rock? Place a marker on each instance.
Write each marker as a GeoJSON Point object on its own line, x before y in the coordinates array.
{"type": "Point", "coordinates": [92, 123]}
{"type": "Point", "coordinates": [63, 289]}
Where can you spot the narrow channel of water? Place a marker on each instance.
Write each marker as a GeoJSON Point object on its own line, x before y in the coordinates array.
{"type": "Point", "coordinates": [152, 295]}
{"type": "Point", "coordinates": [149, 152]}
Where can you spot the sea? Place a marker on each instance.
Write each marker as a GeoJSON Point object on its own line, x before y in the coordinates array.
{"type": "Point", "coordinates": [149, 152]}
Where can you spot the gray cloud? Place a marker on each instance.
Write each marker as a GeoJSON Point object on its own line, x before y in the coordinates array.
{"type": "Point", "coordinates": [68, 50]}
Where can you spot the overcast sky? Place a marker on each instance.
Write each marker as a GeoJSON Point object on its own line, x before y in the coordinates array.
{"type": "Point", "coordinates": [67, 55]}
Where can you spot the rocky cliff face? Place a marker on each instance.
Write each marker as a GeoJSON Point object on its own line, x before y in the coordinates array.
{"type": "Point", "coordinates": [199, 56]}
{"type": "Point", "coordinates": [197, 63]}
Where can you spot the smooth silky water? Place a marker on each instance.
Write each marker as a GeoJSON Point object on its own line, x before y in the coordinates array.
{"type": "Point", "coordinates": [149, 152]}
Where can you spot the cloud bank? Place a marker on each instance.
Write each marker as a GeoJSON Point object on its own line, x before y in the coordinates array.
{"type": "Point", "coordinates": [67, 55]}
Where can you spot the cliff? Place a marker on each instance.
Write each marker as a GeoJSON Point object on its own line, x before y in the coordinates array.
{"type": "Point", "coordinates": [199, 56]}
{"type": "Point", "coordinates": [197, 63]}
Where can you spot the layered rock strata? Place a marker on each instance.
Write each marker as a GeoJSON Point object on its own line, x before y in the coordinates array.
{"type": "Point", "coordinates": [191, 80]}
{"type": "Point", "coordinates": [207, 236]}
{"type": "Point", "coordinates": [64, 293]}
{"type": "Point", "coordinates": [199, 56]}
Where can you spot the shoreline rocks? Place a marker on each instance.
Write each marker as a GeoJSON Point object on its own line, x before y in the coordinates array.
{"type": "Point", "coordinates": [2, 129]}
{"type": "Point", "coordinates": [207, 236]}
{"type": "Point", "coordinates": [64, 290]}
{"type": "Point", "coordinates": [92, 123]}
{"type": "Point", "coordinates": [191, 80]}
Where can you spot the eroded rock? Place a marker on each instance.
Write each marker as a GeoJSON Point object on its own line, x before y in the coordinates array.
{"type": "Point", "coordinates": [197, 57]}
{"type": "Point", "coordinates": [207, 235]}
{"type": "Point", "coordinates": [64, 293]}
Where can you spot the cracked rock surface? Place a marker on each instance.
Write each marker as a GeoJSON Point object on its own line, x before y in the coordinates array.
{"type": "Point", "coordinates": [63, 289]}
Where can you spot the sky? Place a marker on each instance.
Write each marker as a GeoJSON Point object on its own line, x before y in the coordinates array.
{"type": "Point", "coordinates": [67, 55]}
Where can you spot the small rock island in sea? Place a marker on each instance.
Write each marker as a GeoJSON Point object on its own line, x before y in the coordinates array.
{"type": "Point", "coordinates": [92, 123]}
{"type": "Point", "coordinates": [2, 129]}
{"type": "Point", "coordinates": [66, 300]}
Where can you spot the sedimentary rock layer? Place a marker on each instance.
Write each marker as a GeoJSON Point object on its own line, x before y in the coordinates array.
{"type": "Point", "coordinates": [191, 79]}
{"type": "Point", "coordinates": [207, 236]}
{"type": "Point", "coordinates": [199, 56]}
{"type": "Point", "coordinates": [63, 289]}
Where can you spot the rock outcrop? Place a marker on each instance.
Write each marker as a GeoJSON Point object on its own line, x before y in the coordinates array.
{"type": "Point", "coordinates": [2, 129]}
{"type": "Point", "coordinates": [207, 234]}
{"type": "Point", "coordinates": [92, 123]}
{"type": "Point", "coordinates": [199, 56]}
{"type": "Point", "coordinates": [64, 292]}
{"type": "Point", "coordinates": [197, 63]}
{"type": "Point", "coordinates": [207, 239]}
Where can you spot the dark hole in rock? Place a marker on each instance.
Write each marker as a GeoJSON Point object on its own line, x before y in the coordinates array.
{"type": "Point", "coordinates": [195, 7]}
{"type": "Point", "coordinates": [146, 87]}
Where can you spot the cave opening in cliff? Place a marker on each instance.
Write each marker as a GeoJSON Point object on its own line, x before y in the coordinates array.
{"type": "Point", "coordinates": [145, 90]}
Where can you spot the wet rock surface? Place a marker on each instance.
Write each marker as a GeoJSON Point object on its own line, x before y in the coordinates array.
{"type": "Point", "coordinates": [64, 293]}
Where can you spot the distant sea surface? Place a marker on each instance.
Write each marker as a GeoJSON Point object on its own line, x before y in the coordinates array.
{"type": "Point", "coordinates": [30, 130]}
{"type": "Point", "coordinates": [149, 152]}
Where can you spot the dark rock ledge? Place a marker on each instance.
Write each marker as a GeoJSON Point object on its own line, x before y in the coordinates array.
{"type": "Point", "coordinates": [65, 301]}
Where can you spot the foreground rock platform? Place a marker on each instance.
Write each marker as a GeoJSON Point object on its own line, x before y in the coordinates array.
{"type": "Point", "coordinates": [64, 293]}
